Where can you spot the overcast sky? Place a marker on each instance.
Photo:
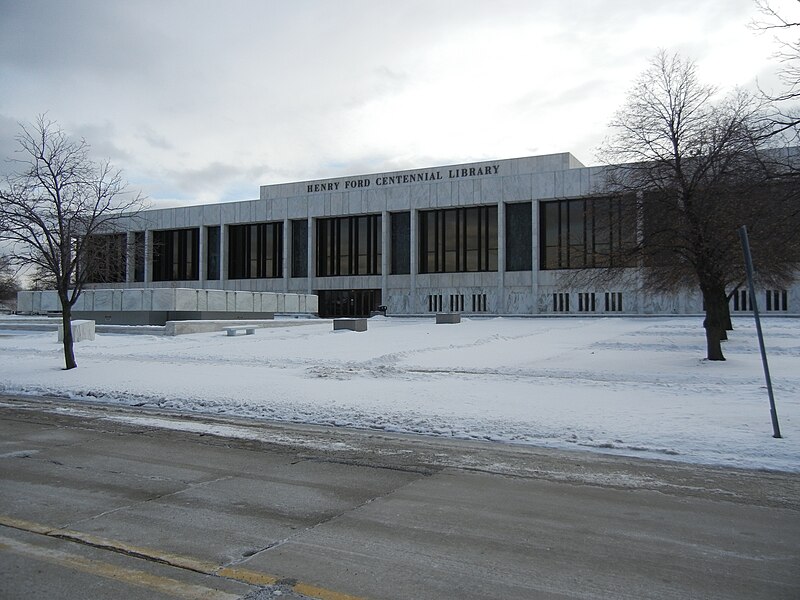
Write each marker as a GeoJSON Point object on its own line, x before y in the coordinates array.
{"type": "Point", "coordinates": [203, 101]}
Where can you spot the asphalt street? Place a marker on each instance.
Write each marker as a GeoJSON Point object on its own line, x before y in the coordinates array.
{"type": "Point", "coordinates": [112, 502]}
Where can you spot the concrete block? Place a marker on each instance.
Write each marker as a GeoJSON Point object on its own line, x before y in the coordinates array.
{"type": "Point", "coordinates": [185, 299]}
{"type": "Point", "coordinates": [132, 300]}
{"type": "Point", "coordinates": [281, 303]}
{"type": "Point", "coordinates": [350, 324]}
{"type": "Point", "coordinates": [25, 302]}
{"type": "Point", "coordinates": [217, 300]}
{"type": "Point", "coordinates": [103, 300]}
{"type": "Point", "coordinates": [244, 302]}
{"type": "Point", "coordinates": [269, 302]}
{"type": "Point", "coordinates": [50, 301]}
{"type": "Point", "coordinates": [312, 303]}
{"type": "Point", "coordinates": [442, 318]}
{"type": "Point", "coordinates": [163, 299]}
{"type": "Point", "coordinates": [84, 300]}
{"type": "Point", "coordinates": [291, 303]}
{"type": "Point", "coordinates": [82, 330]}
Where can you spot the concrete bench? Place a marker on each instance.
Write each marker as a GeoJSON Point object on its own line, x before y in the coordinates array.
{"type": "Point", "coordinates": [82, 329]}
{"type": "Point", "coordinates": [248, 329]}
{"type": "Point", "coordinates": [448, 318]}
{"type": "Point", "coordinates": [351, 324]}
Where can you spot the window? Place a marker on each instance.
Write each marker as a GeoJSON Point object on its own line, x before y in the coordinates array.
{"type": "Point", "coordinates": [300, 248]}
{"type": "Point", "coordinates": [561, 302]}
{"type": "Point", "coordinates": [401, 243]}
{"type": "Point", "coordinates": [175, 253]}
{"type": "Point", "coordinates": [740, 301]}
{"type": "Point", "coordinates": [586, 302]}
{"type": "Point", "coordinates": [212, 252]}
{"type": "Point", "coordinates": [349, 246]}
{"type": "Point", "coordinates": [777, 300]}
{"type": "Point", "coordinates": [434, 303]}
{"type": "Point", "coordinates": [479, 303]}
{"type": "Point", "coordinates": [255, 251]}
{"type": "Point", "coordinates": [456, 302]}
{"type": "Point", "coordinates": [105, 258]}
{"type": "Point", "coordinates": [519, 241]}
{"type": "Point", "coordinates": [458, 240]}
{"type": "Point", "coordinates": [138, 256]}
{"type": "Point", "coordinates": [613, 301]}
{"type": "Point", "coordinates": [587, 233]}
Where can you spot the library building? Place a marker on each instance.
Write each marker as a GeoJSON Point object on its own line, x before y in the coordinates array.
{"type": "Point", "coordinates": [498, 237]}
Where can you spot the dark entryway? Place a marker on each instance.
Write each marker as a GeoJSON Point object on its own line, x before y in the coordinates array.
{"type": "Point", "coordinates": [348, 303]}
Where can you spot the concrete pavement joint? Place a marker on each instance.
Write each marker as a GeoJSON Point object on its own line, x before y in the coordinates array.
{"type": "Point", "coordinates": [187, 563]}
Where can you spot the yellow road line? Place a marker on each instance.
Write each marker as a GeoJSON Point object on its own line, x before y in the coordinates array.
{"type": "Point", "coordinates": [165, 585]}
{"type": "Point", "coordinates": [246, 576]}
{"type": "Point", "coordinates": [175, 560]}
{"type": "Point", "coordinates": [321, 593]}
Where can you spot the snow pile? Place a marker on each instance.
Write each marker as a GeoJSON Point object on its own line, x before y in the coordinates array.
{"type": "Point", "coordinates": [635, 386]}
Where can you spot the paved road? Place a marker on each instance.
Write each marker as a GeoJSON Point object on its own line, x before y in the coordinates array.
{"type": "Point", "coordinates": [102, 502]}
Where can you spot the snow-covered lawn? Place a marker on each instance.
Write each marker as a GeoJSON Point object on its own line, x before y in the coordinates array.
{"type": "Point", "coordinates": [636, 386]}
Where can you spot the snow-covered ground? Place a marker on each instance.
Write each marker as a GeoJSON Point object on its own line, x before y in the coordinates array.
{"type": "Point", "coordinates": [635, 386]}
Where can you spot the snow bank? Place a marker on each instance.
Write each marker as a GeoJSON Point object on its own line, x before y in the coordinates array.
{"type": "Point", "coordinates": [634, 386]}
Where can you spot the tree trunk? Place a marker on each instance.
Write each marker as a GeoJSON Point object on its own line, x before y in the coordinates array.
{"type": "Point", "coordinates": [715, 322]}
{"type": "Point", "coordinates": [66, 321]}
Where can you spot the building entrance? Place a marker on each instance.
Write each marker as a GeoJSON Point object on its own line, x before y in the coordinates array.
{"type": "Point", "coordinates": [348, 303]}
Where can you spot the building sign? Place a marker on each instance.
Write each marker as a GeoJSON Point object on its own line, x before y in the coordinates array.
{"type": "Point", "coordinates": [422, 177]}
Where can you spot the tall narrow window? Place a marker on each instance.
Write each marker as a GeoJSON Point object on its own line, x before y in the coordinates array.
{"type": "Point", "coordinates": [587, 233]}
{"type": "Point", "coordinates": [400, 243]}
{"type": "Point", "coordinates": [175, 253]}
{"type": "Point", "coordinates": [349, 246]}
{"type": "Point", "coordinates": [255, 251]}
{"type": "Point", "coordinates": [458, 240]}
{"type": "Point", "coordinates": [212, 252]}
{"type": "Point", "coordinates": [519, 239]}
{"type": "Point", "coordinates": [106, 258]}
{"type": "Point", "coordinates": [300, 248]}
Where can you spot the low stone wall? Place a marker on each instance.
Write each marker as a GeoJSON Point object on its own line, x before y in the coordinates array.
{"type": "Point", "coordinates": [155, 306]}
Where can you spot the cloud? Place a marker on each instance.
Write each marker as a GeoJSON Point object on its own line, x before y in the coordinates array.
{"type": "Point", "coordinates": [204, 99]}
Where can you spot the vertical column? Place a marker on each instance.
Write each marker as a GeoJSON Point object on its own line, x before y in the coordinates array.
{"type": "Point", "coordinates": [148, 257]}
{"type": "Point", "coordinates": [535, 255]}
{"type": "Point", "coordinates": [287, 248]}
{"type": "Point", "coordinates": [202, 258]}
{"type": "Point", "coordinates": [130, 257]}
{"type": "Point", "coordinates": [385, 245]}
{"type": "Point", "coordinates": [412, 305]}
{"type": "Point", "coordinates": [501, 257]}
{"type": "Point", "coordinates": [311, 252]}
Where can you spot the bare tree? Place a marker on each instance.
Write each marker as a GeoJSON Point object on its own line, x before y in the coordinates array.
{"type": "Point", "coordinates": [699, 168]}
{"type": "Point", "coordinates": [54, 204]}
{"type": "Point", "coordinates": [786, 116]}
{"type": "Point", "coordinates": [9, 284]}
